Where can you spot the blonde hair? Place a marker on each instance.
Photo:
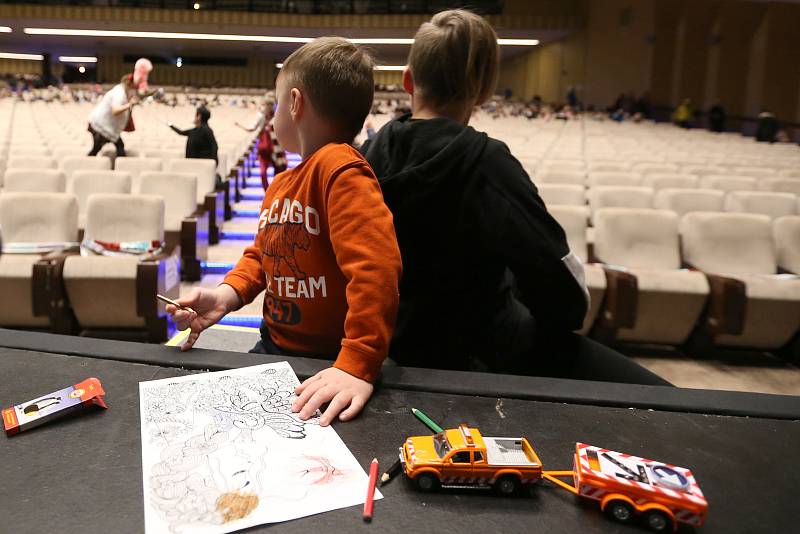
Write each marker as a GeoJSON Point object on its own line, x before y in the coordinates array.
{"type": "Point", "coordinates": [455, 58]}
{"type": "Point", "coordinates": [336, 75]}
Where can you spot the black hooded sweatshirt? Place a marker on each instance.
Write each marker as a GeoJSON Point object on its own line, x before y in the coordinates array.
{"type": "Point", "coordinates": [483, 260]}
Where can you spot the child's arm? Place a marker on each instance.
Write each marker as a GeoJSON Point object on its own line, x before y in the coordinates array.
{"type": "Point", "coordinates": [363, 239]}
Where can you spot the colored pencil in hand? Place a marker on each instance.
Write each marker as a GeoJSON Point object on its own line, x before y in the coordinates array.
{"type": "Point", "coordinates": [427, 420]}
{"type": "Point", "coordinates": [373, 480]}
{"type": "Point", "coordinates": [391, 472]}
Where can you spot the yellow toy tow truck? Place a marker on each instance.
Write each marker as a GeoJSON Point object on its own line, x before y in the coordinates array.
{"type": "Point", "coordinates": [461, 457]}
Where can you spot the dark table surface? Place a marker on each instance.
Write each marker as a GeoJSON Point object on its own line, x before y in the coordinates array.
{"type": "Point", "coordinates": [84, 473]}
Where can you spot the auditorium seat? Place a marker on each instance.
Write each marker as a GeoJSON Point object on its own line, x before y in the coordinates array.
{"type": "Point", "coordinates": [135, 167]}
{"type": "Point", "coordinates": [683, 201]}
{"type": "Point", "coordinates": [729, 182]}
{"type": "Point", "coordinates": [82, 184]}
{"type": "Point", "coordinates": [164, 154]}
{"type": "Point", "coordinates": [755, 172]}
{"type": "Point", "coordinates": [667, 299]}
{"type": "Point", "coordinates": [626, 178]}
{"type": "Point", "coordinates": [573, 219]}
{"type": "Point", "coordinates": [563, 194]}
{"type": "Point", "coordinates": [185, 224]}
{"type": "Point", "coordinates": [115, 296]}
{"type": "Point", "coordinates": [207, 196]}
{"type": "Point", "coordinates": [650, 168]}
{"type": "Point", "coordinates": [36, 151]}
{"type": "Point", "coordinates": [549, 176]}
{"type": "Point", "coordinates": [34, 181]}
{"type": "Point", "coordinates": [69, 152]}
{"type": "Point", "coordinates": [789, 173]}
{"type": "Point", "coordinates": [750, 306]}
{"type": "Point", "coordinates": [49, 220]}
{"type": "Point", "coordinates": [30, 162]}
{"type": "Point", "coordinates": [781, 185]}
{"type": "Point", "coordinates": [71, 164]}
{"type": "Point", "coordinates": [704, 170]}
{"type": "Point", "coordinates": [612, 196]}
{"type": "Point", "coordinates": [786, 232]}
{"type": "Point", "coordinates": [670, 180]}
{"type": "Point", "coordinates": [773, 205]}
{"type": "Point", "coordinates": [608, 166]}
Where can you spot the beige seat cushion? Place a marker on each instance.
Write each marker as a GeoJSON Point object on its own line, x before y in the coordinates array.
{"type": "Point", "coordinates": [72, 164]}
{"type": "Point", "coordinates": [38, 217]}
{"type": "Point", "coordinates": [573, 219]}
{"type": "Point", "coordinates": [781, 185]}
{"type": "Point", "coordinates": [773, 205]}
{"type": "Point", "coordinates": [627, 178]}
{"type": "Point", "coordinates": [562, 194]}
{"type": "Point", "coordinates": [670, 180]}
{"type": "Point", "coordinates": [204, 169]}
{"type": "Point", "coordinates": [16, 272]}
{"type": "Point", "coordinates": [683, 201]}
{"type": "Point", "coordinates": [102, 291]}
{"type": "Point", "coordinates": [728, 242]}
{"type": "Point", "coordinates": [34, 181]}
{"type": "Point", "coordinates": [117, 217]}
{"type": "Point", "coordinates": [786, 231]}
{"type": "Point", "coordinates": [69, 152]}
{"type": "Point", "coordinates": [729, 182]}
{"type": "Point", "coordinates": [82, 184]}
{"type": "Point", "coordinates": [643, 238]}
{"type": "Point", "coordinates": [30, 162]}
{"type": "Point", "coordinates": [179, 191]}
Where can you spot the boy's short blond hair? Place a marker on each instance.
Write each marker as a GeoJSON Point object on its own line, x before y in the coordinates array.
{"type": "Point", "coordinates": [336, 75]}
{"type": "Point", "coordinates": [455, 58]}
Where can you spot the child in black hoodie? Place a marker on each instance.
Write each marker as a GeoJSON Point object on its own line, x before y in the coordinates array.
{"type": "Point", "coordinates": [488, 280]}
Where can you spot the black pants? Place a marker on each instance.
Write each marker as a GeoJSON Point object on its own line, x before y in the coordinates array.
{"type": "Point", "coordinates": [99, 141]}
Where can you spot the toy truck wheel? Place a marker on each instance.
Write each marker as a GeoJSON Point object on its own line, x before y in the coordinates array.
{"type": "Point", "coordinates": [657, 521]}
{"type": "Point", "coordinates": [507, 485]}
{"type": "Point", "coordinates": [426, 482]}
{"type": "Point", "coordinates": [620, 511]}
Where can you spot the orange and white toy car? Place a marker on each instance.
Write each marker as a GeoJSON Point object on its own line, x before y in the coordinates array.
{"type": "Point", "coordinates": [662, 494]}
{"type": "Point", "coordinates": [461, 457]}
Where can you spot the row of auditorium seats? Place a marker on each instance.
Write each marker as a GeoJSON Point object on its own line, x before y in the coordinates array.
{"type": "Point", "coordinates": [703, 278]}
{"type": "Point", "coordinates": [65, 292]}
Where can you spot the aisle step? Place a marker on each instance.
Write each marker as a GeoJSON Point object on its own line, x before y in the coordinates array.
{"type": "Point", "coordinates": [252, 321]}
{"type": "Point", "coordinates": [246, 213]}
{"type": "Point", "coordinates": [238, 236]}
{"type": "Point", "coordinates": [216, 267]}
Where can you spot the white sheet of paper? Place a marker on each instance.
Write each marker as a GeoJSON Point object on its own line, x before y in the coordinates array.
{"type": "Point", "coordinates": [223, 451]}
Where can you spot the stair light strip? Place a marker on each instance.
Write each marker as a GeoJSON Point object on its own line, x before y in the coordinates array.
{"type": "Point", "coordinates": [233, 37]}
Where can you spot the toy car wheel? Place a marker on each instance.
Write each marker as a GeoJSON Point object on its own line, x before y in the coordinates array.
{"type": "Point", "coordinates": [657, 521]}
{"type": "Point", "coordinates": [507, 485]}
{"type": "Point", "coordinates": [620, 511]}
{"type": "Point", "coordinates": [426, 482]}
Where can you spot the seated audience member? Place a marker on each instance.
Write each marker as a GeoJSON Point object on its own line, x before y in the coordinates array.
{"type": "Point", "coordinates": [325, 251]}
{"type": "Point", "coordinates": [489, 281]}
{"type": "Point", "coordinates": [768, 127]}
{"type": "Point", "coordinates": [200, 142]}
{"type": "Point", "coordinates": [683, 114]}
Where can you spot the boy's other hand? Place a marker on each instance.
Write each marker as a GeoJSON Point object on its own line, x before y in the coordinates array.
{"type": "Point", "coordinates": [208, 307]}
{"type": "Point", "coordinates": [332, 385]}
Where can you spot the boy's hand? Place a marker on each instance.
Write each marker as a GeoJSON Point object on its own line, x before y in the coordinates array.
{"type": "Point", "coordinates": [335, 386]}
{"type": "Point", "coordinates": [208, 307]}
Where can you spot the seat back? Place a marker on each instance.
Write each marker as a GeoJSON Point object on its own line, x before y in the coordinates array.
{"type": "Point", "coordinates": [729, 182]}
{"type": "Point", "coordinates": [608, 166]}
{"type": "Point", "coordinates": [613, 196]}
{"type": "Point", "coordinates": [731, 243]}
{"type": "Point", "coordinates": [35, 181]}
{"type": "Point", "coordinates": [683, 201]}
{"type": "Point", "coordinates": [38, 217]}
{"type": "Point", "coordinates": [756, 172]}
{"type": "Point", "coordinates": [179, 191]}
{"type": "Point", "coordinates": [573, 219]}
{"type": "Point", "coordinates": [789, 173]}
{"type": "Point", "coordinates": [85, 183]}
{"type": "Point", "coordinates": [549, 176]}
{"type": "Point", "coordinates": [69, 152]}
{"type": "Point", "coordinates": [650, 168]}
{"type": "Point", "coordinates": [781, 185]}
{"type": "Point", "coordinates": [30, 162]}
{"type": "Point", "coordinates": [121, 217]}
{"type": "Point", "coordinates": [600, 178]}
{"type": "Point", "coordinates": [773, 205]}
{"type": "Point", "coordinates": [563, 194]}
{"type": "Point", "coordinates": [204, 169]}
{"type": "Point", "coordinates": [137, 166]}
{"type": "Point", "coordinates": [670, 180]}
{"type": "Point", "coordinates": [637, 238]}
{"type": "Point", "coordinates": [72, 164]}
{"type": "Point", "coordinates": [704, 170]}
{"type": "Point", "coordinates": [786, 231]}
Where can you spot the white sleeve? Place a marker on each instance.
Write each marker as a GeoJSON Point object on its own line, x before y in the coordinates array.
{"type": "Point", "coordinates": [118, 96]}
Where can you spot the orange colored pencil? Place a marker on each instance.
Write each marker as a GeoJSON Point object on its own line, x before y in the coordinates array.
{"type": "Point", "coordinates": [373, 480]}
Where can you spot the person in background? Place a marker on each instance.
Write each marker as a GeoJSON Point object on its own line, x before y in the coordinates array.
{"type": "Point", "coordinates": [683, 114]}
{"type": "Point", "coordinates": [489, 282]}
{"type": "Point", "coordinates": [112, 115]}
{"type": "Point", "coordinates": [200, 142]}
{"type": "Point", "coordinates": [716, 118]}
{"type": "Point", "coordinates": [269, 149]}
{"type": "Point", "coordinates": [768, 127]}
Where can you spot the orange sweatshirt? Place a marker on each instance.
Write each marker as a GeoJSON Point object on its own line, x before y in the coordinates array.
{"type": "Point", "coordinates": [327, 255]}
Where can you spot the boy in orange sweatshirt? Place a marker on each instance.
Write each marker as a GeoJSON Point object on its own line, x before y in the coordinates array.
{"type": "Point", "coordinates": [325, 251]}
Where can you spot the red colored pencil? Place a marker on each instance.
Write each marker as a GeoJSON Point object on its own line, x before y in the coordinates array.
{"type": "Point", "coordinates": [373, 480]}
